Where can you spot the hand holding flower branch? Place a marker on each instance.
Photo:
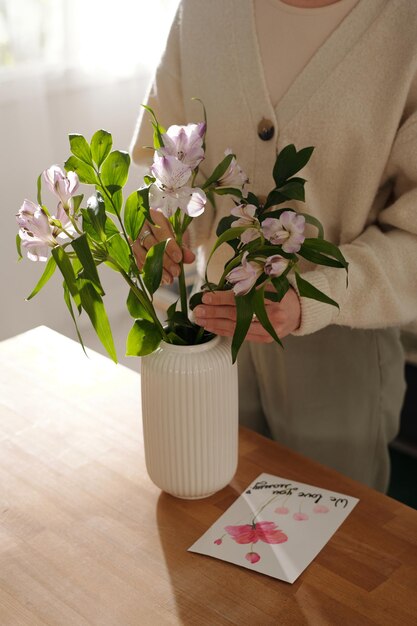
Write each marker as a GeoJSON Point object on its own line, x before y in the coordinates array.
{"type": "Point", "coordinates": [142, 238]}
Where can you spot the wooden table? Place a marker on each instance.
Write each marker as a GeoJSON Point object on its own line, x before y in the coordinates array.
{"type": "Point", "coordinates": [86, 538]}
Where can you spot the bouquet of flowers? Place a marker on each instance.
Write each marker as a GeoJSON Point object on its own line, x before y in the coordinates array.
{"type": "Point", "coordinates": [266, 239]}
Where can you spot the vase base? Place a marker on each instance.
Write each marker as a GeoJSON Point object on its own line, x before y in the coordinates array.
{"type": "Point", "coordinates": [192, 497]}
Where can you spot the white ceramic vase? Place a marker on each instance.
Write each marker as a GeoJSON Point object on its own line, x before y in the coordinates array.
{"type": "Point", "coordinates": [190, 417]}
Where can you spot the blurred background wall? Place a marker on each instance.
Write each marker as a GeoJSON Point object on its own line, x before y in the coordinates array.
{"type": "Point", "coordinates": [66, 66]}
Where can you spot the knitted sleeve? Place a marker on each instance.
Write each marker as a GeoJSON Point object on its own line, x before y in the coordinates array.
{"type": "Point", "coordinates": [382, 288]}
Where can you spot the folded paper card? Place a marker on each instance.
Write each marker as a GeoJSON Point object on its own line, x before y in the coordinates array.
{"type": "Point", "coordinates": [276, 527]}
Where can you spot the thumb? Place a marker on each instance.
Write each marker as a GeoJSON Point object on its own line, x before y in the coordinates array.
{"type": "Point", "coordinates": [188, 255]}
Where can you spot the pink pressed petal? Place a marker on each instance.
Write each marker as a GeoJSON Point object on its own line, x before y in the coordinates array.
{"type": "Point", "coordinates": [320, 508]}
{"type": "Point", "coordinates": [242, 534]}
{"type": "Point", "coordinates": [252, 557]}
{"type": "Point", "coordinates": [270, 533]}
{"type": "Point", "coordinates": [300, 517]}
{"type": "Point", "coordinates": [282, 510]}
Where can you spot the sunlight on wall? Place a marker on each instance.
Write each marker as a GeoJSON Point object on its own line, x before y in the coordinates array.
{"type": "Point", "coordinates": [117, 37]}
{"type": "Point", "coordinates": [105, 37]}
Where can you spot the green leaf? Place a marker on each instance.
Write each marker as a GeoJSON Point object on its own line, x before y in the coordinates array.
{"type": "Point", "coordinates": [252, 199]}
{"type": "Point", "coordinates": [101, 143]}
{"type": "Point", "coordinates": [310, 219]}
{"type": "Point", "coordinates": [115, 170]}
{"type": "Point", "coordinates": [289, 162]}
{"type": "Point", "coordinates": [39, 187]}
{"type": "Point", "coordinates": [80, 148]}
{"type": "Point", "coordinates": [227, 235]}
{"type": "Point", "coordinates": [136, 208]}
{"type": "Point", "coordinates": [294, 189]}
{"type": "Point", "coordinates": [244, 312]}
{"type": "Point", "coordinates": [120, 251]}
{"type": "Point", "coordinates": [274, 198]}
{"type": "Point", "coordinates": [152, 268]}
{"type": "Point", "coordinates": [19, 247]}
{"type": "Point", "coordinates": [196, 299]}
{"type": "Point", "coordinates": [76, 202]}
{"type": "Point", "coordinates": [85, 172]}
{"type": "Point", "coordinates": [327, 248]}
{"type": "Point", "coordinates": [83, 252]}
{"type": "Point", "coordinates": [96, 216]}
{"type": "Point", "coordinates": [136, 308]}
{"type": "Point", "coordinates": [228, 191]}
{"type": "Point", "coordinates": [64, 263]}
{"type": "Point", "coordinates": [318, 258]}
{"type": "Point", "coordinates": [219, 171]}
{"type": "Point", "coordinates": [143, 338]}
{"type": "Point", "coordinates": [307, 290]}
{"type": "Point", "coordinates": [224, 224]}
{"type": "Point", "coordinates": [92, 304]}
{"type": "Point", "coordinates": [67, 300]}
{"type": "Point", "coordinates": [261, 313]}
{"type": "Point", "coordinates": [234, 262]}
{"type": "Point", "coordinates": [94, 229]}
{"type": "Point", "coordinates": [158, 129]}
{"type": "Point", "coordinates": [112, 198]}
{"type": "Point", "coordinates": [47, 273]}
{"type": "Point", "coordinates": [281, 285]}
{"type": "Point", "coordinates": [172, 307]}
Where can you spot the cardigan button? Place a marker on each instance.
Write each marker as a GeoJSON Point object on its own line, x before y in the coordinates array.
{"type": "Point", "coordinates": [266, 129]}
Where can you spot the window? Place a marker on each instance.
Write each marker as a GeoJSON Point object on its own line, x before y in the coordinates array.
{"type": "Point", "coordinates": [112, 37]}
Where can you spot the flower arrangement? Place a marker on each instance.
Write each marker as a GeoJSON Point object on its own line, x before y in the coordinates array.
{"type": "Point", "coordinates": [266, 241]}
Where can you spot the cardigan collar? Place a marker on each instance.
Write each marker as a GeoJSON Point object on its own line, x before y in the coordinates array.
{"type": "Point", "coordinates": [317, 70]}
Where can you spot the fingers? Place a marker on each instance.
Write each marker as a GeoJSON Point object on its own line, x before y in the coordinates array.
{"type": "Point", "coordinates": [219, 317]}
{"type": "Point", "coordinates": [219, 298]}
{"type": "Point", "coordinates": [152, 234]}
{"type": "Point", "coordinates": [162, 230]}
{"type": "Point", "coordinates": [140, 255]}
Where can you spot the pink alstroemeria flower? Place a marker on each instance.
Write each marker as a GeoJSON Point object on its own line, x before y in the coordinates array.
{"type": "Point", "coordinates": [261, 531]}
{"type": "Point", "coordinates": [246, 215]}
{"type": "Point", "coordinates": [35, 231]}
{"type": "Point", "coordinates": [275, 265]}
{"type": "Point", "coordinates": [244, 276]}
{"type": "Point", "coordinates": [62, 184]}
{"type": "Point", "coordinates": [170, 192]}
{"type": "Point", "coordinates": [287, 231]}
{"type": "Point", "coordinates": [252, 557]}
{"type": "Point", "coordinates": [185, 143]}
{"type": "Point", "coordinates": [234, 176]}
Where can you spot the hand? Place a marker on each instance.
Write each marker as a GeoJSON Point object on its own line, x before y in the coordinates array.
{"type": "Point", "coordinates": [218, 315]}
{"type": "Point", "coordinates": [161, 230]}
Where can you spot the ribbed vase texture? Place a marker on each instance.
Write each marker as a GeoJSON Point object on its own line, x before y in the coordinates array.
{"type": "Point", "coordinates": [190, 417]}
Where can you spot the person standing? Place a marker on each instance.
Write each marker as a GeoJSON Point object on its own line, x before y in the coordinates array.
{"type": "Point", "coordinates": [341, 76]}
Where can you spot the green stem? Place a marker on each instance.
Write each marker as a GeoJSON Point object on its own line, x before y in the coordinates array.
{"type": "Point", "coordinates": [143, 299]}
{"type": "Point", "coordinates": [199, 335]}
{"type": "Point", "coordinates": [178, 229]}
{"type": "Point", "coordinates": [262, 507]}
{"type": "Point", "coordinates": [104, 188]}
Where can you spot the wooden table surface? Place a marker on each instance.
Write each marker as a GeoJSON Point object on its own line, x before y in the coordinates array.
{"type": "Point", "coordinates": [86, 538]}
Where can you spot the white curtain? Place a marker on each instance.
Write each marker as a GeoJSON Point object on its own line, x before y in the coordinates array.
{"type": "Point", "coordinates": [65, 66]}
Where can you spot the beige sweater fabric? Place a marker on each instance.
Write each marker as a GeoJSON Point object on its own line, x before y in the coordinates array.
{"type": "Point", "coordinates": [355, 101]}
{"type": "Point", "coordinates": [292, 34]}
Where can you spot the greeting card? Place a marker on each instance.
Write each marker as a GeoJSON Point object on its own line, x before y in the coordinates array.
{"type": "Point", "coordinates": [276, 527]}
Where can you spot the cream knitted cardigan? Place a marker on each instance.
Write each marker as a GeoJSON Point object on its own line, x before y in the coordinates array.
{"type": "Point", "coordinates": [355, 101]}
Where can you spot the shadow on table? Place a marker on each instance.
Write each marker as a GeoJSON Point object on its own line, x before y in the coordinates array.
{"type": "Point", "coordinates": [196, 582]}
